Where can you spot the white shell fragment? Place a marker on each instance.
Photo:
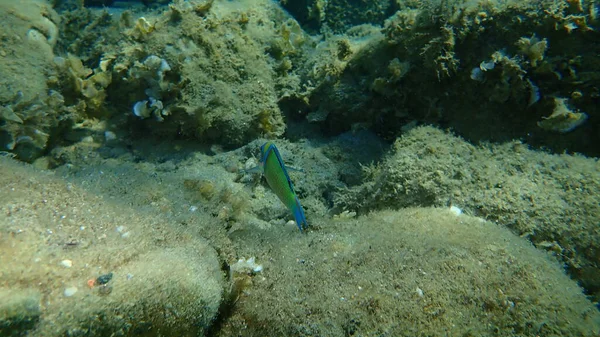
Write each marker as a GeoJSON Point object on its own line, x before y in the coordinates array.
{"type": "Point", "coordinates": [246, 266]}
{"type": "Point", "coordinates": [123, 231]}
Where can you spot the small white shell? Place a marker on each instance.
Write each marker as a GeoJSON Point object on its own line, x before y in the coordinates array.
{"type": "Point", "coordinates": [141, 109]}
{"type": "Point", "coordinates": [477, 75]}
{"type": "Point", "coordinates": [66, 263]}
{"type": "Point", "coordinates": [487, 65]}
{"type": "Point", "coordinates": [457, 211]}
{"type": "Point", "coordinates": [70, 291]}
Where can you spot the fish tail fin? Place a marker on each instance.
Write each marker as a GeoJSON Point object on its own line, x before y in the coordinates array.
{"type": "Point", "coordinates": [299, 215]}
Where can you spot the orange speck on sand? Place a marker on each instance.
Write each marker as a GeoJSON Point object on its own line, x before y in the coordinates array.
{"type": "Point", "coordinates": [91, 282]}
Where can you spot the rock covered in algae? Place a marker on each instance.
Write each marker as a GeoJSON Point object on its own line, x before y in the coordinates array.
{"type": "Point", "coordinates": [198, 69]}
{"type": "Point", "coordinates": [118, 280]}
{"type": "Point", "coordinates": [412, 272]}
{"type": "Point", "coordinates": [29, 111]}
{"type": "Point", "coordinates": [546, 53]}
{"type": "Point", "coordinates": [20, 310]}
{"type": "Point", "coordinates": [547, 198]}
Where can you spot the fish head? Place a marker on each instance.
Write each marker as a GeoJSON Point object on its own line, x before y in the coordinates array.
{"type": "Point", "coordinates": [264, 151]}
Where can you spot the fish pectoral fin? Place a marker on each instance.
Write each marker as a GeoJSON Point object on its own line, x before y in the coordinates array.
{"type": "Point", "coordinates": [255, 169]}
{"type": "Point", "coordinates": [294, 169]}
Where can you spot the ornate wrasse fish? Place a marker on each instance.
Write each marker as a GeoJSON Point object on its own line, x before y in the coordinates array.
{"type": "Point", "coordinates": [273, 168]}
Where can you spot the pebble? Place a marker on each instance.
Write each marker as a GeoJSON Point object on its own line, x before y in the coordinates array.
{"type": "Point", "coordinates": [455, 210]}
{"type": "Point", "coordinates": [104, 279]}
{"type": "Point", "coordinates": [66, 263]}
{"type": "Point", "coordinates": [87, 139]}
{"type": "Point", "coordinates": [70, 291]}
